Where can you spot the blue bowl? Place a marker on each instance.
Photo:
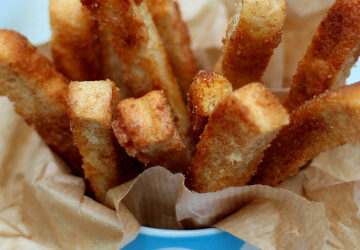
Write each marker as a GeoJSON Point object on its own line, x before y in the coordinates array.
{"type": "Point", "coordinates": [210, 239]}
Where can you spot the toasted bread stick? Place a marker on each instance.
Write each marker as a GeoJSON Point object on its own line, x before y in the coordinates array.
{"type": "Point", "coordinates": [39, 93]}
{"type": "Point", "coordinates": [175, 36]}
{"type": "Point", "coordinates": [252, 35]}
{"type": "Point", "coordinates": [146, 129]}
{"type": "Point", "coordinates": [240, 128]}
{"type": "Point", "coordinates": [205, 93]}
{"type": "Point", "coordinates": [74, 44]}
{"type": "Point", "coordinates": [334, 49]}
{"type": "Point", "coordinates": [134, 37]}
{"type": "Point", "coordinates": [329, 120]}
{"type": "Point", "coordinates": [111, 64]}
{"type": "Point", "coordinates": [91, 113]}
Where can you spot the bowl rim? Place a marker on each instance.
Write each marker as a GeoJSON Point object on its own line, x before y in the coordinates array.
{"type": "Point", "coordinates": [179, 233]}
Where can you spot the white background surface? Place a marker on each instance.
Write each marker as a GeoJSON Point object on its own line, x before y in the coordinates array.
{"type": "Point", "coordinates": [29, 17]}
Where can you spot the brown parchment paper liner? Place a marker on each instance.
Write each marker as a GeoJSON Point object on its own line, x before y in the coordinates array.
{"type": "Point", "coordinates": [45, 205]}
{"type": "Point", "coordinates": [42, 206]}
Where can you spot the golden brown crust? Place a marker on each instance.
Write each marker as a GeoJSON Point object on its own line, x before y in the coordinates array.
{"type": "Point", "coordinates": [74, 44]}
{"type": "Point", "coordinates": [39, 93]}
{"type": "Point", "coordinates": [240, 128]}
{"type": "Point", "coordinates": [206, 91]}
{"type": "Point", "coordinates": [175, 36]}
{"type": "Point", "coordinates": [144, 63]}
{"type": "Point", "coordinates": [334, 49]}
{"type": "Point", "coordinates": [252, 34]}
{"type": "Point", "coordinates": [297, 35]}
{"type": "Point", "coordinates": [111, 64]}
{"type": "Point", "coordinates": [90, 109]}
{"type": "Point", "coordinates": [145, 128]}
{"type": "Point", "coordinates": [329, 120]}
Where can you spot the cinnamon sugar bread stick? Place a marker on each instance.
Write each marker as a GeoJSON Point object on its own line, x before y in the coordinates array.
{"type": "Point", "coordinates": [252, 34]}
{"type": "Point", "coordinates": [39, 94]}
{"type": "Point", "coordinates": [205, 93]}
{"type": "Point", "coordinates": [146, 129]}
{"type": "Point", "coordinates": [135, 39]}
{"type": "Point", "coordinates": [175, 36]}
{"type": "Point", "coordinates": [326, 121]}
{"type": "Point", "coordinates": [91, 107]}
{"type": "Point", "coordinates": [240, 128]}
{"type": "Point", "coordinates": [334, 49]}
{"type": "Point", "coordinates": [74, 44]}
